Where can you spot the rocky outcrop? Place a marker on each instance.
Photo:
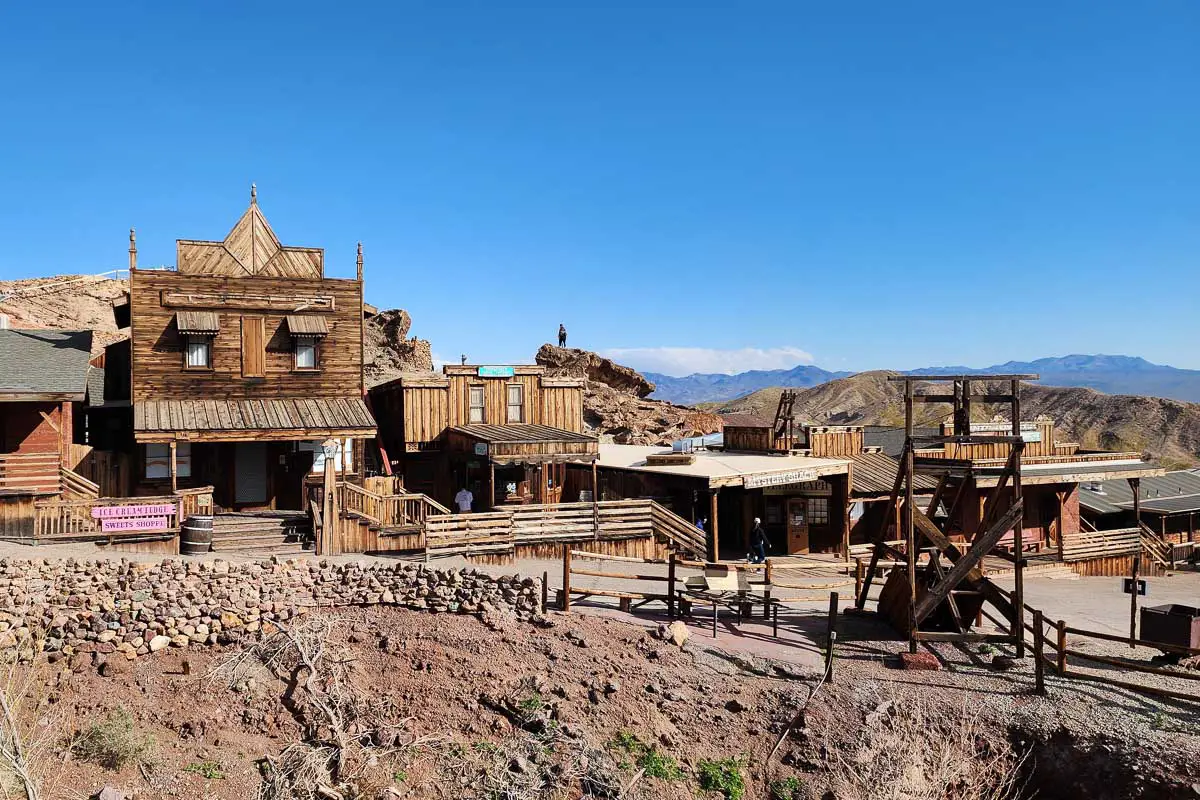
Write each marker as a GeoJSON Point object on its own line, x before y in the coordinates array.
{"type": "Point", "coordinates": [119, 608]}
{"type": "Point", "coordinates": [389, 351]}
{"type": "Point", "coordinates": [574, 363]}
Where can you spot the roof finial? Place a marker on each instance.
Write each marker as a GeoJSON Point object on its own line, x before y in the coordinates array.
{"type": "Point", "coordinates": [132, 249]}
{"type": "Point", "coordinates": [360, 261]}
{"type": "Point", "coordinates": [253, 194]}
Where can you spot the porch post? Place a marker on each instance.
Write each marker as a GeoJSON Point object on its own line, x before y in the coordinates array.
{"type": "Point", "coordinates": [715, 555]}
{"type": "Point", "coordinates": [326, 541]}
{"type": "Point", "coordinates": [491, 484]}
{"type": "Point", "coordinates": [174, 478]}
{"type": "Point", "coordinates": [595, 483]}
{"type": "Point", "coordinates": [1136, 485]}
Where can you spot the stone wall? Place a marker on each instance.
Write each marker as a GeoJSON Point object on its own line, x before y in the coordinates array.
{"type": "Point", "coordinates": [74, 607]}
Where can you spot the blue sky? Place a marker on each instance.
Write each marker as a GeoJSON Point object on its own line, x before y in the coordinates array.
{"type": "Point", "coordinates": [693, 186]}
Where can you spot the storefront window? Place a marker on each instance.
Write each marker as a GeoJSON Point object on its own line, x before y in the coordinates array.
{"type": "Point", "coordinates": [818, 511]}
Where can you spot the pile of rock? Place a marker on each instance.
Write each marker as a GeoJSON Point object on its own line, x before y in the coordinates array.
{"type": "Point", "coordinates": [66, 607]}
{"type": "Point", "coordinates": [389, 351]}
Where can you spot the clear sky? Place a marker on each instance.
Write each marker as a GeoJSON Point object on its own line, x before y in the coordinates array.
{"type": "Point", "coordinates": [694, 186]}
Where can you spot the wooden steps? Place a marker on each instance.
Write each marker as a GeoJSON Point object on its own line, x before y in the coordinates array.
{"type": "Point", "coordinates": [261, 534]}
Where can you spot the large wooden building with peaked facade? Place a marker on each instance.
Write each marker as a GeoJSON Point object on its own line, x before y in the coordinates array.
{"type": "Point", "coordinates": [241, 362]}
{"type": "Point", "coordinates": [504, 432]}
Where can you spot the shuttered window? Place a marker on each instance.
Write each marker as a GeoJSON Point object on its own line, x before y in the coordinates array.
{"type": "Point", "coordinates": [254, 355]}
{"type": "Point", "coordinates": [516, 402]}
{"type": "Point", "coordinates": [475, 396]}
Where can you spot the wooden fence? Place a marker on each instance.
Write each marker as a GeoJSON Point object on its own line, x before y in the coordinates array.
{"type": "Point", "coordinates": [30, 472]}
{"type": "Point", "coordinates": [635, 528]}
{"type": "Point", "coordinates": [60, 519]}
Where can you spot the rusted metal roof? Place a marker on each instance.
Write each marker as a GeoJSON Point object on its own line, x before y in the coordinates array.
{"type": "Point", "coordinates": [204, 322]}
{"type": "Point", "coordinates": [875, 474]}
{"type": "Point", "coordinates": [745, 421]}
{"type": "Point", "coordinates": [307, 325]}
{"type": "Point", "coordinates": [521, 434]}
{"type": "Point", "coordinates": [305, 414]}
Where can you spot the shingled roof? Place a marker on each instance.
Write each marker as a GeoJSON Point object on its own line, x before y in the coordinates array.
{"type": "Point", "coordinates": [44, 364]}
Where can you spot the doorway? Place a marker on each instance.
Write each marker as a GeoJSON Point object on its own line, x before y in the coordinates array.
{"type": "Point", "coordinates": [797, 525]}
{"type": "Point", "coordinates": [250, 474]}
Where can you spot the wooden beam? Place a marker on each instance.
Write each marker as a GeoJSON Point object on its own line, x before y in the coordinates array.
{"type": "Point", "coordinates": [174, 476]}
{"type": "Point", "coordinates": [963, 567]}
{"type": "Point", "coordinates": [1018, 525]}
{"type": "Point", "coordinates": [716, 542]}
{"type": "Point", "coordinates": [910, 534]}
{"type": "Point", "coordinates": [881, 535]}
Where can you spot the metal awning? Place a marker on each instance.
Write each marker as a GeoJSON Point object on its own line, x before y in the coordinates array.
{"type": "Point", "coordinates": [203, 323]}
{"type": "Point", "coordinates": [307, 325]}
{"type": "Point", "coordinates": [234, 420]}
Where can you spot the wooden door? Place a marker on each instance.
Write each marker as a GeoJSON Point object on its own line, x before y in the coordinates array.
{"type": "Point", "coordinates": [797, 525]}
{"type": "Point", "coordinates": [250, 467]}
{"type": "Point", "coordinates": [289, 491]}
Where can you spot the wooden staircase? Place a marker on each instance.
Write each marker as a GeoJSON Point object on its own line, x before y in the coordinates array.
{"type": "Point", "coordinates": [264, 533]}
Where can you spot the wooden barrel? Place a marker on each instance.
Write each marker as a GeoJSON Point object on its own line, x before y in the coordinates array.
{"type": "Point", "coordinates": [195, 538]}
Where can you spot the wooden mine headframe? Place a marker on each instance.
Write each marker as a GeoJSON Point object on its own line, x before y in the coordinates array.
{"type": "Point", "coordinates": [783, 429]}
{"type": "Point", "coordinates": [960, 581]}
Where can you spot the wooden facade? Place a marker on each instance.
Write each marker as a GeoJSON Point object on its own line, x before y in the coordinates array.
{"type": "Point", "coordinates": [242, 361]}
{"type": "Point", "coordinates": [498, 431]}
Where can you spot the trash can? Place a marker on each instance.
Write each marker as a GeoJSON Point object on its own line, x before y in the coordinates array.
{"type": "Point", "coordinates": [1173, 624]}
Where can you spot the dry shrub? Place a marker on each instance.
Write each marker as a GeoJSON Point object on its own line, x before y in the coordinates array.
{"type": "Point", "coordinates": [31, 728]}
{"type": "Point", "coordinates": [113, 742]}
{"type": "Point", "coordinates": [910, 749]}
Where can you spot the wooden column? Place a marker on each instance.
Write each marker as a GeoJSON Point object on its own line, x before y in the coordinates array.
{"type": "Point", "coordinates": [909, 530]}
{"type": "Point", "coordinates": [174, 476]}
{"type": "Point", "coordinates": [1062, 499]}
{"type": "Point", "coordinates": [1018, 528]}
{"type": "Point", "coordinates": [715, 555]}
{"type": "Point", "coordinates": [326, 542]}
{"type": "Point", "coordinates": [595, 484]}
{"type": "Point", "coordinates": [491, 485]}
{"type": "Point", "coordinates": [1136, 485]}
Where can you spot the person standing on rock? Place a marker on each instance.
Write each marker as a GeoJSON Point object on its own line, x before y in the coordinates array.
{"type": "Point", "coordinates": [758, 540]}
{"type": "Point", "coordinates": [562, 335]}
{"type": "Point", "coordinates": [463, 500]}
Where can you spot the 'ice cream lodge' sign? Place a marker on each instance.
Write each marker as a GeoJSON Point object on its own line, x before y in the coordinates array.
{"type": "Point", "coordinates": [148, 517]}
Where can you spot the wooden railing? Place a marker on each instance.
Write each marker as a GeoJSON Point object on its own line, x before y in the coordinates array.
{"type": "Point", "coordinates": [501, 530]}
{"type": "Point", "coordinates": [1156, 547]}
{"type": "Point", "coordinates": [30, 472]}
{"type": "Point", "coordinates": [387, 510]}
{"type": "Point", "coordinates": [1100, 544]}
{"type": "Point", "coordinates": [77, 487]}
{"type": "Point", "coordinates": [65, 519]}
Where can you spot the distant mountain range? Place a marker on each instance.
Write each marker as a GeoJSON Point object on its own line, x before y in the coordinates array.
{"type": "Point", "coordinates": [702, 387]}
{"type": "Point", "coordinates": [1108, 374]}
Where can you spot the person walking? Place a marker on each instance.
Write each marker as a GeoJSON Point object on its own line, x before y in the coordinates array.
{"type": "Point", "coordinates": [758, 541]}
{"type": "Point", "coordinates": [463, 500]}
{"type": "Point", "coordinates": [562, 335]}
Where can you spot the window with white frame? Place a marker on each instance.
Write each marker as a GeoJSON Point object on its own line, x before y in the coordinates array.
{"type": "Point", "coordinates": [199, 352]}
{"type": "Point", "coordinates": [306, 353]}
{"type": "Point", "coordinates": [516, 402]}
{"type": "Point", "coordinates": [158, 460]}
{"type": "Point", "coordinates": [475, 398]}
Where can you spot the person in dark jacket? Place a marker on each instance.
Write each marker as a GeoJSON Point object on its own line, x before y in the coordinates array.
{"type": "Point", "coordinates": [758, 541]}
{"type": "Point", "coordinates": [562, 335]}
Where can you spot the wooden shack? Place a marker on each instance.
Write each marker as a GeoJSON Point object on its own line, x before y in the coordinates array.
{"type": "Point", "coordinates": [243, 361]}
{"type": "Point", "coordinates": [504, 432]}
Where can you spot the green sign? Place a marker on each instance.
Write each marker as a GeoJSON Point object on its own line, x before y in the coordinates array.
{"type": "Point", "coordinates": [496, 372]}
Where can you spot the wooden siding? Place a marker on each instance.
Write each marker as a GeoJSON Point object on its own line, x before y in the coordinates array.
{"type": "Point", "coordinates": [250, 248]}
{"type": "Point", "coordinates": [834, 442]}
{"type": "Point", "coordinates": [748, 439]}
{"type": "Point", "coordinates": [157, 346]}
{"type": "Point", "coordinates": [36, 427]}
{"type": "Point", "coordinates": [562, 408]}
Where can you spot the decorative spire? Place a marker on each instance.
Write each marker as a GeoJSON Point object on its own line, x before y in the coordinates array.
{"type": "Point", "coordinates": [360, 261]}
{"type": "Point", "coordinates": [132, 249]}
{"type": "Point", "coordinates": [253, 194]}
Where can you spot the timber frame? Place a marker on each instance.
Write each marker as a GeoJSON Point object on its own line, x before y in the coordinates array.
{"type": "Point", "coordinates": [960, 581]}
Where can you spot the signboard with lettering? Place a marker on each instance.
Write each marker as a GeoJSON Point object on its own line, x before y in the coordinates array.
{"type": "Point", "coordinates": [481, 448]}
{"type": "Point", "coordinates": [496, 372]}
{"type": "Point", "coordinates": [805, 488]}
{"type": "Point", "coordinates": [779, 478]}
{"type": "Point", "coordinates": [145, 517]}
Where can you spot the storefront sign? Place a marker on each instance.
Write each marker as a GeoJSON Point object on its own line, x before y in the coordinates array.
{"type": "Point", "coordinates": [804, 489]}
{"type": "Point", "coordinates": [496, 372]}
{"type": "Point", "coordinates": [779, 478]}
{"type": "Point", "coordinates": [148, 510]}
{"type": "Point", "coordinates": [134, 524]}
{"type": "Point", "coordinates": [481, 448]}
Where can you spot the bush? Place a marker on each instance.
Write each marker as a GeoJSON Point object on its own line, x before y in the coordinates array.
{"type": "Point", "coordinates": [208, 769]}
{"type": "Point", "coordinates": [113, 743]}
{"type": "Point", "coordinates": [724, 776]}
{"type": "Point", "coordinates": [789, 788]}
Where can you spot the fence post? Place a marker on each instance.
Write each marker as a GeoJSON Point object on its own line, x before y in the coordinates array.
{"type": "Point", "coordinates": [545, 589]}
{"type": "Point", "coordinates": [1039, 663]}
{"type": "Point", "coordinates": [1062, 647]}
{"type": "Point", "coordinates": [832, 637]}
{"type": "Point", "coordinates": [671, 585]}
{"type": "Point", "coordinates": [858, 578]}
{"type": "Point", "coordinates": [566, 590]}
{"type": "Point", "coordinates": [1133, 595]}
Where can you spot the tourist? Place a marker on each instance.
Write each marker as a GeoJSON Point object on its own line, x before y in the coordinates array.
{"type": "Point", "coordinates": [758, 540]}
{"type": "Point", "coordinates": [464, 499]}
{"type": "Point", "coordinates": [562, 335]}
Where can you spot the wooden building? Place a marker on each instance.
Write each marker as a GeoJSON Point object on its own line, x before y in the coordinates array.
{"type": "Point", "coordinates": [242, 361]}
{"type": "Point", "coordinates": [43, 386]}
{"type": "Point", "coordinates": [504, 432]}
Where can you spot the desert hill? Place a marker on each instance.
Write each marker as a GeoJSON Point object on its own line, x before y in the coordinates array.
{"type": "Point", "coordinates": [1169, 430]}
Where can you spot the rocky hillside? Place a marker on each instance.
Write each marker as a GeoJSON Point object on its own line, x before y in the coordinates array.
{"type": "Point", "coordinates": [1169, 430]}
{"type": "Point", "coordinates": [69, 302]}
{"type": "Point", "coordinates": [615, 407]}
{"type": "Point", "coordinates": [390, 352]}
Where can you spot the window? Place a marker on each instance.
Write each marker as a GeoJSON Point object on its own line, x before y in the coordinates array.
{"type": "Point", "coordinates": [199, 353]}
{"type": "Point", "coordinates": [516, 402]}
{"type": "Point", "coordinates": [306, 353]}
{"type": "Point", "coordinates": [818, 511]}
{"type": "Point", "coordinates": [158, 460]}
{"type": "Point", "coordinates": [476, 414]}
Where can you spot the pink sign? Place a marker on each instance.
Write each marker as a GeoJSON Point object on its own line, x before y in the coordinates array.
{"type": "Point", "coordinates": [148, 510]}
{"type": "Point", "coordinates": [134, 524]}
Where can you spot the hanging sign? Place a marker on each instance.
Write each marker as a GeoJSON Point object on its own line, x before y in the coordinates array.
{"type": "Point", "coordinates": [806, 488]}
{"type": "Point", "coordinates": [779, 478]}
{"type": "Point", "coordinates": [496, 372]}
{"type": "Point", "coordinates": [481, 448]}
{"type": "Point", "coordinates": [134, 524]}
{"type": "Point", "coordinates": [1142, 588]}
{"type": "Point", "coordinates": [146, 517]}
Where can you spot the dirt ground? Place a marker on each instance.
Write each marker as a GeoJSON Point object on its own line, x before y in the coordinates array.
{"type": "Point", "coordinates": [476, 705]}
